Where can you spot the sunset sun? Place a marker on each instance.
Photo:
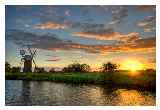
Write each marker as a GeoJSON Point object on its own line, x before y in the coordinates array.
{"type": "Point", "coordinates": [132, 65]}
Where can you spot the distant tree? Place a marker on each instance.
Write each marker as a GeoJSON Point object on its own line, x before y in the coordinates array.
{"type": "Point", "coordinates": [150, 70]}
{"type": "Point", "coordinates": [85, 68]}
{"type": "Point", "coordinates": [15, 69]}
{"type": "Point", "coordinates": [7, 67]}
{"type": "Point", "coordinates": [39, 70]}
{"type": "Point", "coordinates": [65, 69]}
{"type": "Point", "coordinates": [109, 67]}
{"type": "Point", "coordinates": [76, 67]}
{"type": "Point", "coordinates": [52, 70]}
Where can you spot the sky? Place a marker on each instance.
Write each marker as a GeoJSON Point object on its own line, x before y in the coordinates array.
{"type": "Point", "coordinates": [86, 34]}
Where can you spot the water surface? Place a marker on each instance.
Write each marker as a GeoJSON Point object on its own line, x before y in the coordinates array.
{"type": "Point", "coordinates": [19, 92]}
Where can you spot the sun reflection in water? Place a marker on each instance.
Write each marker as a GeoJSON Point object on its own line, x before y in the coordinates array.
{"type": "Point", "coordinates": [132, 97]}
{"type": "Point", "coordinates": [96, 96]}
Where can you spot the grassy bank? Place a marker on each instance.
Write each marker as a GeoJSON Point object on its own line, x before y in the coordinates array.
{"type": "Point", "coordinates": [144, 80]}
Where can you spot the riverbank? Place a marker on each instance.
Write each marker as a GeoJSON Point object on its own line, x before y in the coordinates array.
{"type": "Point", "coordinates": [143, 80]}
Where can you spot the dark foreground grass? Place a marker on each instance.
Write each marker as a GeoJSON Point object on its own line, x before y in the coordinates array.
{"type": "Point", "coordinates": [144, 80]}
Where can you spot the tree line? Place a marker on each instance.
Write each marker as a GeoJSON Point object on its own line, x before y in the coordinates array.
{"type": "Point", "coordinates": [75, 67]}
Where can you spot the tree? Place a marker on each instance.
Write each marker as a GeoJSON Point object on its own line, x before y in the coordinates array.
{"type": "Point", "coordinates": [52, 70]}
{"type": "Point", "coordinates": [39, 70]}
{"type": "Point", "coordinates": [15, 69]}
{"type": "Point", "coordinates": [85, 68]}
{"type": "Point", "coordinates": [109, 67]}
{"type": "Point", "coordinates": [76, 67]}
{"type": "Point", "coordinates": [65, 69]}
{"type": "Point", "coordinates": [7, 67]}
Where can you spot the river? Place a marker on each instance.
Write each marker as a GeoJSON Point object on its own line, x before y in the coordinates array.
{"type": "Point", "coordinates": [47, 93]}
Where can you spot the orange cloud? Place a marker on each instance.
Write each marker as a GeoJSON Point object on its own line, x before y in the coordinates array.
{"type": "Point", "coordinates": [109, 36]}
{"type": "Point", "coordinates": [124, 42]}
{"type": "Point", "coordinates": [145, 7]}
{"type": "Point", "coordinates": [127, 43]}
{"type": "Point", "coordinates": [51, 25]}
{"type": "Point", "coordinates": [54, 59]}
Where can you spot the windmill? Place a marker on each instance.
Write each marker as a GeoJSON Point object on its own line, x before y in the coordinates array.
{"type": "Point", "coordinates": [27, 59]}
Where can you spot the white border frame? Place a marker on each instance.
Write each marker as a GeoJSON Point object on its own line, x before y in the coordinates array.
{"type": "Point", "coordinates": [75, 2]}
{"type": "Point", "coordinates": [80, 2]}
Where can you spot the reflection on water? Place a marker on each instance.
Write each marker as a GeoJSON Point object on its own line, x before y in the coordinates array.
{"type": "Point", "coordinates": [132, 97]}
{"type": "Point", "coordinates": [50, 93]}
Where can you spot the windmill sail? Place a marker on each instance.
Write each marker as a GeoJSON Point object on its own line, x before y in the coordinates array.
{"type": "Point", "coordinates": [27, 59]}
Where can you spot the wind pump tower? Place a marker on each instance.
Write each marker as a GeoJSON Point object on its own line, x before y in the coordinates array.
{"type": "Point", "coordinates": [27, 59]}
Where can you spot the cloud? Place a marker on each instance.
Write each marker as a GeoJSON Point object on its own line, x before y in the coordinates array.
{"type": "Point", "coordinates": [49, 13]}
{"type": "Point", "coordinates": [85, 25]}
{"type": "Point", "coordinates": [50, 25]}
{"type": "Point", "coordinates": [148, 24]}
{"type": "Point", "coordinates": [54, 59]}
{"type": "Point", "coordinates": [68, 24]}
{"type": "Point", "coordinates": [118, 14]}
{"type": "Point", "coordinates": [147, 45]}
{"type": "Point", "coordinates": [145, 7]}
{"type": "Point", "coordinates": [108, 34]}
{"type": "Point", "coordinates": [53, 43]}
{"type": "Point", "coordinates": [87, 10]}
{"type": "Point", "coordinates": [67, 13]}
{"type": "Point", "coordinates": [124, 42]}
{"type": "Point", "coordinates": [152, 60]}
{"type": "Point", "coordinates": [46, 42]}
{"type": "Point", "coordinates": [24, 8]}
{"type": "Point", "coordinates": [23, 38]}
{"type": "Point", "coordinates": [97, 33]}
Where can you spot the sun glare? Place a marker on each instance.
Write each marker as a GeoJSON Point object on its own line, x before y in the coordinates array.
{"type": "Point", "coordinates": [132, 65]}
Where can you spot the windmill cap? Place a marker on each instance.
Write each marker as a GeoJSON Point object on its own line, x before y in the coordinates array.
{"type": "Point", "coordinates": [28, 57]}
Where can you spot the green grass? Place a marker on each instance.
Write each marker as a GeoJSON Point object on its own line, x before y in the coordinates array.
{"type": "Point", "coordinates": [144, 80]}
{"type": "Point", "coordinates": [58, 77]}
